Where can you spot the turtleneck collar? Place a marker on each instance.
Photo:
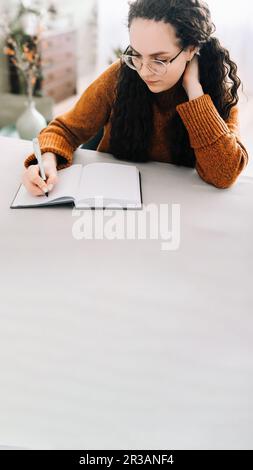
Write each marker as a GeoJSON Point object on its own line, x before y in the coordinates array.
{"type": "Point", "coordinates": [166, 97]}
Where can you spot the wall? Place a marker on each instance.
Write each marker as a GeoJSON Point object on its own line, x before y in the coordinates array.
{"type": "Point", "coordinates": [234, 28]}
{"type": "Point", "coordinates": [83, 13]}
{"type": "Point", "coordinates": [112, 30]}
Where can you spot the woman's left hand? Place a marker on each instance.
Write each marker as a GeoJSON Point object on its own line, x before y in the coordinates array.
{"type": "Point", "coordinates": [191, 81]}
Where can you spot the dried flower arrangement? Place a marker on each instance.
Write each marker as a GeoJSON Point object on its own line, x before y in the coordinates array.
{"type": "Point", "coordinates": [23, 55]}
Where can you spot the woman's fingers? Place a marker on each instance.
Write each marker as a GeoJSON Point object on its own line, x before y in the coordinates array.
{"type": "Point", "coordinates": [32, 188]}
{"type": "Point", "coordinates": [33, 181]}
{"type": "Point", "coordinates": [52, 177]}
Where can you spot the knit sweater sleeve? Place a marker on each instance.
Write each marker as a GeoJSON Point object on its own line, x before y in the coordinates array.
{"type": "Point", "coordinates": [68, 131]}
{"type": "Point", "coordinates": [220, 155]}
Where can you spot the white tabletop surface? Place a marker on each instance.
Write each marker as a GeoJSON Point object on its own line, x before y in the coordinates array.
{"type": "Point", "coordinates": [118, 344]}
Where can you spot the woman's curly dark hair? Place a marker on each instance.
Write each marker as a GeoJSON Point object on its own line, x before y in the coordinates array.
{"type": "Point", "coordinates": [132, 112]}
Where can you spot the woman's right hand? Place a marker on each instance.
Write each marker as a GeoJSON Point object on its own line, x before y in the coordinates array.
{"type": "Point", "coordinates": [32, 180]}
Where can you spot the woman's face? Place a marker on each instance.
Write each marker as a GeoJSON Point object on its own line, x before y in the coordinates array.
{"type": "Point", "coordinates": [148, 37]}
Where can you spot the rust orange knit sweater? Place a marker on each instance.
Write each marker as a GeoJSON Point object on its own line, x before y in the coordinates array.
{"type": "Point", "coordinates": [220, 155]}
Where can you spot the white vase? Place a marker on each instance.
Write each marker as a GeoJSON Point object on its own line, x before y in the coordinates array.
{"type": "Point", "coordinates": [31, 122]}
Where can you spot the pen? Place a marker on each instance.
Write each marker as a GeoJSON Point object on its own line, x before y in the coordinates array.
{"type": "Point", "coordinates": [37, 152]}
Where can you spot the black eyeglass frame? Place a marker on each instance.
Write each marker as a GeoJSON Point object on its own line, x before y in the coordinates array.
{"type": "Point", "coordinates": [152, 60]}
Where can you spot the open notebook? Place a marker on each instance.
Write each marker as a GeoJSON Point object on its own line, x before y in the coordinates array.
{"type": "Point", "coordinates": [95, 185]}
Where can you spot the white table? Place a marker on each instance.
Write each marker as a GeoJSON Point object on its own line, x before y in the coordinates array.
{"type": "Point", "coordinates": [118, 344]}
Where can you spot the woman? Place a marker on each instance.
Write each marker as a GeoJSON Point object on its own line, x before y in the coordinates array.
{"type": "Point", "coordinates": [172, 97]}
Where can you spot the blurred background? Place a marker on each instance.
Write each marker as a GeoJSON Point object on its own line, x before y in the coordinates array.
{"type": "Point", "coordinates": [81, 38]}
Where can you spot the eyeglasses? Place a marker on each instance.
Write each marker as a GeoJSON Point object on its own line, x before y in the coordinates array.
{"type": "Point", "coordinates": [158, 67]}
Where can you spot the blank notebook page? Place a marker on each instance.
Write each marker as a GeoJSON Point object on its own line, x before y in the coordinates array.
{"type": "Point", "coordinates": [109, 180]}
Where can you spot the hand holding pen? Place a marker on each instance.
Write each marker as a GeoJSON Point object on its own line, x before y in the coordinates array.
{"type": "Point", "coordinates": [37, 153]}
{"type": "Point", "coordinates": [31, 177]}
